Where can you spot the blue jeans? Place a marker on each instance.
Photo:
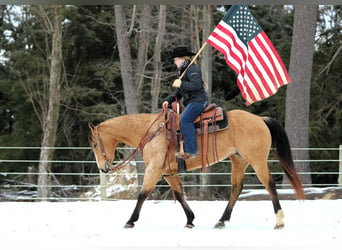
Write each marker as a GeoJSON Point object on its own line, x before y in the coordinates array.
{"type": "Point", "coordinates": [191, 111]}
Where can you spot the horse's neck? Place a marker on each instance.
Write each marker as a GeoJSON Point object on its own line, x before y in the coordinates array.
{"type": "Point", "coordinates": [128, 129]}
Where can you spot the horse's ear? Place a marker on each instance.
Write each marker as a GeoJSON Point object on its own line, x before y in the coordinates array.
{"type": "Point", "coordinates": [91, 126]}
{"type": "Point", "coordinates": [90, 135]}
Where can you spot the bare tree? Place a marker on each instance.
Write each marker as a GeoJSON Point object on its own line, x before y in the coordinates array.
{"type": "Point", "coordinates": [157, 65]}
{"type": "Point", "coordinates": [127, 74]}
{"type": "Point", "coordinates": [298, 93]}
{"type": "Point", "coordinates": [206, 62]}
{"type": "Point", "coordinates": [206, 68]}
{"type": "Point", "coordinates": [132, 75]}
{"type": "Point", "coordinates": [143, 45]}
{"type": "Point", "coordinates": [53, 24]}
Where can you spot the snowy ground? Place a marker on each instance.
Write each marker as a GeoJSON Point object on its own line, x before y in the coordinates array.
{"type": "Point", "coordinates": [310, 224]}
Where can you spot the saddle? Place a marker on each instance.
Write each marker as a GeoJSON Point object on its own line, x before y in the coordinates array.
{"type": "Point", "coordinates": [211, 120]}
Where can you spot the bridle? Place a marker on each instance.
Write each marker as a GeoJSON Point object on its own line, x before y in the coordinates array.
{"type": "Point", "coordinates": [103, 151]}
{"type": "Point", "coordinates": [148, 136]}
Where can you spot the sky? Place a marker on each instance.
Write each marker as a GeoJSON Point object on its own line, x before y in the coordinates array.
{"type": "Point", "coordinates": [309, 224]}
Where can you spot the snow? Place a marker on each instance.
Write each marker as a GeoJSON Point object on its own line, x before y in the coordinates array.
{"type": "Point", "coordinates": [309, 224]}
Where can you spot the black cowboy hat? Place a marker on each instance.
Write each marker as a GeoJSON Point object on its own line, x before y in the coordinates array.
{"type": "Point", "coordinates": [180, 52]}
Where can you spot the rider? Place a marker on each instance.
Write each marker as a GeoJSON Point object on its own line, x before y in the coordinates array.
{"type": "Point", "coordinates": [195, 98]}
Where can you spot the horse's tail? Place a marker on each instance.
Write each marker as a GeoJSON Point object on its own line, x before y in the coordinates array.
{"type": "Point", "coordinates": [283, 152]}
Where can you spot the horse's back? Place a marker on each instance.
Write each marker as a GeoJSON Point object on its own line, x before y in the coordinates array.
{"type": "Point", "coordinates": [238, 114]}
{"type": "Point", "coordinates": [245, 120]}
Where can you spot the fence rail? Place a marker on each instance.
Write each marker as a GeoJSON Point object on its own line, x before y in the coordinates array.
{"type": "Point", "coordinates": [18, 177]}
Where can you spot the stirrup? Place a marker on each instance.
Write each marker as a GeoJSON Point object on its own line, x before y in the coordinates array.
{"type": "Point", "coordinates": [181, 167]}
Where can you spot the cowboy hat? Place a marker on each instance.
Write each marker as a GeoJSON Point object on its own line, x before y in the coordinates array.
{"type": "Point", "coordinates": [180, 52]}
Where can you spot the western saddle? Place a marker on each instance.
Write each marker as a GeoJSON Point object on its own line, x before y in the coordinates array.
{"type": "Point", "coordinates": [211, 120]}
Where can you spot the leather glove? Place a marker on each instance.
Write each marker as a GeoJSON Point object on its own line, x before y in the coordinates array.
{"type": "Point", "coordinates": [177, 83]}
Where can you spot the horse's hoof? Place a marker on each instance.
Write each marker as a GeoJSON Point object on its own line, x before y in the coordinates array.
{"type": "Point", "coordinates": [129, 226]}
{"type": "Point", "coordinates": [189, 225]}
{"type": "Point", "coordinates": [279, 226]}
{"type": "Point", "coordinates": [219, 225]}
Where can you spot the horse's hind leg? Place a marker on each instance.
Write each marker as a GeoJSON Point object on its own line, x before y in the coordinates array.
{"type": "Point", "coordinates": [176, 185]}
{"type": "Point", "coordinates": [266, 179]}
{"type": "Point", "coordinates": [238, 171]}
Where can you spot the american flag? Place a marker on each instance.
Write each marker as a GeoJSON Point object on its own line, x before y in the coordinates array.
{"type": "Point", "coordinates": [250, 53]}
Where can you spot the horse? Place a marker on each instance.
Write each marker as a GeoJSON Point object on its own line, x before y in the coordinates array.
{"type": "Point", "coordinates": [246, 141]}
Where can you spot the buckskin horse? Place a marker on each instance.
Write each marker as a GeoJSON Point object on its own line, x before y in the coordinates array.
{"type": "Point", "coordinates": [247, 141]}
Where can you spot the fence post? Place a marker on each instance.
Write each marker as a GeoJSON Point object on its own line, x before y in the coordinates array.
{"type": "Point", "coordinates": [103, 186]}
{"type": "Point", "coordinates": [340, 167]}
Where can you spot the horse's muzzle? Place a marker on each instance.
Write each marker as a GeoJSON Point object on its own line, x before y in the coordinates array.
{"type": "Point", "coordinates": [106, 170]}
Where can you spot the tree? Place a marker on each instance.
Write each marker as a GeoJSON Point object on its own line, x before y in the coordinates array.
{"type": "Point", "coordinates": [298, 92]}
{"type": "Point", "coordinates": [206, 62]}
{"type": "Point", "coordinates": [53, 24]}
{"type": "Point", "coordinates": [127, 74]}
{"type": "Point", "coordinates": [132, 77]}
{"type": "Point", "coordinates": [157, 64]}
{"type": "Point", "coordinates": [206, 68]}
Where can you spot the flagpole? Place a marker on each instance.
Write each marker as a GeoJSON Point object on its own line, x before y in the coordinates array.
{"type": "Point", "coordinates": [193, 60]}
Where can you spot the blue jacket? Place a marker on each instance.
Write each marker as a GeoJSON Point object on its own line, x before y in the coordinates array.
{"type": "Point", "coordinates": [192, 88]}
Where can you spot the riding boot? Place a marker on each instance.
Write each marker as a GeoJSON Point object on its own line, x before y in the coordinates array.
{"type": "Point", "coordinates": [181, 165]}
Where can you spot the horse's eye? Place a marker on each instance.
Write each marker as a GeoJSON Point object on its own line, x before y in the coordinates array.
{"type": "Point", "coordinates": [95, 145]}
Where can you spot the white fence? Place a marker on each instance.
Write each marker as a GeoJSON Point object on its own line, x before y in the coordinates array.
{"type": "Point", "coordinates": [83, 174]}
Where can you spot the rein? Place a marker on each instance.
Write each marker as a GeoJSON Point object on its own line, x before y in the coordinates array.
{"type": "Point", "coordinates": [145, 139]}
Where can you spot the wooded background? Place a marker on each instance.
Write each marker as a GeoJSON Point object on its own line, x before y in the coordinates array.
{"type": "Point", "coordinates": [64, 66]}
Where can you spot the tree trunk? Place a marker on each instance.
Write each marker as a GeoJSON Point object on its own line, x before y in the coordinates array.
{"type": "Point", "coordinates": [298, 93]}
{"type": "Point", "coordinates": [206, 68]}
{"type": "Point", "coordinates": [51, 121]}
{"type": "Point", "coordinates": [130, 93]}
{"type": "Point", "coordinates": [144, 42]}
{"type": "Point", "coordinates": [157, 65]}
{"type": "Point", "coordinates": [206, 62]}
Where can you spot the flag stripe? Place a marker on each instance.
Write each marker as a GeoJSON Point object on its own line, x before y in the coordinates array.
{"type": "Point", "coordinates": [246, 92]}
{"type": "Point", "coordinates": [224, 47]}
{"type": "Point", "coordinates": [263, 69]}
{"type": "Point", "coordinates": [269, 60]}
{"type": "Point", "coordinates": [280, 65]}
{"type": "Point", "coordinates": [258, 76]}
{"type": "Point", "coordinates": [224, 40]}
{"type": "Point", "coordinates": [251, 93]}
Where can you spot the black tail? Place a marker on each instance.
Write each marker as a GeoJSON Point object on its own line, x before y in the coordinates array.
{"type": "Point", "coordinates": [283, 152]}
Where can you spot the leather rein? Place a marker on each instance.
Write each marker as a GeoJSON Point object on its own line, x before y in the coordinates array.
{"type": "Point", "coordinates": [145, 139]}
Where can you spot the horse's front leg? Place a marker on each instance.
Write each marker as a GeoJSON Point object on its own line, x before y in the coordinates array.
{"type": "Point", "coordinates": [176, 185]}
{"type": "Point", "coordinates": [135, 215]}
{"type": "Point", "coordinates": [150, 179]}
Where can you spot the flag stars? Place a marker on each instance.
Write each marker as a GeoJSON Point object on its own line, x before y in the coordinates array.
{"type": "Point", "coordinates": [244, 24]}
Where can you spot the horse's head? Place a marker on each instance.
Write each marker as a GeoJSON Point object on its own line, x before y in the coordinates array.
{"type": "Point", "coordinates": [103, 148]}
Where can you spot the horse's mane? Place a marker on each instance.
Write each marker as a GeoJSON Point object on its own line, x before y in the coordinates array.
{"type": "Point", "coordinates": [141, 117]}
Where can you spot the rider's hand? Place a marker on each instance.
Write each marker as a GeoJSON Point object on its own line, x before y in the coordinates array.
{"type": "Point", "coordinates": [165, 104]}
{"type": "Point", "coordinates": [177, 83]}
